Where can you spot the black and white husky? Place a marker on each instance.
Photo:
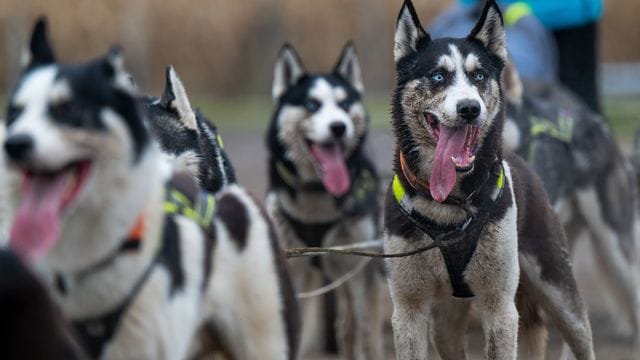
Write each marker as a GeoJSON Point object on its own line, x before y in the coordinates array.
{"type": "Point", "coordinates": [323, 190]}
{"type": "Point", "coordinates": [590, 184]}
{"type": "Point", "coordinates": [498, 239]}
{"type": "Point", "coordinates": [187, 136]}
{"type": "Point", "coordinates": [143, 268]}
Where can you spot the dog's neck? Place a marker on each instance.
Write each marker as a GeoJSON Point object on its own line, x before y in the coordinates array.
{"type": "Point", "coordinates": [416, 173]}
{"type": "Point", "coordinates": [117, 195]}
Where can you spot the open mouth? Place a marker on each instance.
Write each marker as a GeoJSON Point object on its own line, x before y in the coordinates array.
{"type": "Point", "coordinates": [331, 165]}
{"type": "Point", "coordinates": [455, 153]}
{"type": "Point", "coordinates": [45, 196]}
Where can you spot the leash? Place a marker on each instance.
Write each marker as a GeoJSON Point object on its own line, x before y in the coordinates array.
{"type": "Point", "coordinates": [335, 284]}
{"type": "Point", "coordinates": [353, 250]}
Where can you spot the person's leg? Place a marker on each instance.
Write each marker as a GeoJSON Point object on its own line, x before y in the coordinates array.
{"type": "Point", "coordinates": [578, 62]}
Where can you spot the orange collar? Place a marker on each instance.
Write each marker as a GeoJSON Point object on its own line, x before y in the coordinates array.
{"type": "Point", "coordinates": [411, 178]}
{"type": "Point", "coordinates": [137, 231]}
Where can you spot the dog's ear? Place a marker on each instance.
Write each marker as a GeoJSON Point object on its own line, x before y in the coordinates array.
{"type": "Point", "coordinates": [490, 30]}
{"type": "Point", "coordinates": [348, 67]}
{"type": "Point", "coordinates": [287, 71]}
{"type": "Point", "coordinates": [112, 66]}
{"type": "Point", "coordinates": [175, 98]}
{"type": "Point", "coordinates": [410, 35]}
{"type": "Point", "coordinates": [40, 51]}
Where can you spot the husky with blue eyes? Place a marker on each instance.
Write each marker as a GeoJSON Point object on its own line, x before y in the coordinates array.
{"type": "Point", "coordinates": [323, 192]}
{"type": "Point", "coordinates": [499, 244]}
{"type": "Point", "coordinates": [141, 261]}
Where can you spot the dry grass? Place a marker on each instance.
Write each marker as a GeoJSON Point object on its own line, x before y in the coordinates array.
{"type": "Point", "coordinates": [227, 47]}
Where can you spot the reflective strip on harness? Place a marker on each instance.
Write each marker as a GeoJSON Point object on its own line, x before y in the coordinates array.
{"type": "Point", "coordinates": [177, 203]}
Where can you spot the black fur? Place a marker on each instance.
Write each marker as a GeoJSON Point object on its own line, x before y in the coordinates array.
{"type": "Point", "coordinates": [31, 326]}
{"type": "Point", "coordinates": [40, 51]}
{"type": "Point", "coordinates": [234, 216]}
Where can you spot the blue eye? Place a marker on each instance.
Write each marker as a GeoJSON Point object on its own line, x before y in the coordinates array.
{"type": "Point", "coordinates": [312, 105]}
{"type": "Point", "coordinates": [479, 76]}
{"type": "Point", "coordinates": [437, 77]}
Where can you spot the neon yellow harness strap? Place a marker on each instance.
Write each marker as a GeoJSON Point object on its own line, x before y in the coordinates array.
{"type": "Point", "coordinates": [177, 203]}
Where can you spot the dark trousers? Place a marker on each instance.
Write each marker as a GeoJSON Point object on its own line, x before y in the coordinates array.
{"type": "Point", "coordinates": [578, 62]}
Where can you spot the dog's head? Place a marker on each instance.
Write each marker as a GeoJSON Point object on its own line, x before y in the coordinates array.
{"type": "Point", "coordinates": [320, 120]}
{"type": "Point", "coordinates": [448, 97]}
{"type": "Point", "coordinates": [187, 136]}
{"type": "Point", "coordinates": [67, 125]}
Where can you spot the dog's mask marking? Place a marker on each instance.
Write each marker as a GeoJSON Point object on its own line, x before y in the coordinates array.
{"type": "Point", "coordinates": [449, 96]}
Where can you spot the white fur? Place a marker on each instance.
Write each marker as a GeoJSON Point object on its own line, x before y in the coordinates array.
{"type": "Point", "coordinates": [318, 130]}
{"type": "Point", "coordinates": [511, 135]}
{"type": "Point", "coordinates": [461, 88]}
{"type": "Point", "coordinates": [181, 102]}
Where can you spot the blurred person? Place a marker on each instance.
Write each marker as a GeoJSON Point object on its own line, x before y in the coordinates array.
{"type": "Point", "coordinates": [573, 26]}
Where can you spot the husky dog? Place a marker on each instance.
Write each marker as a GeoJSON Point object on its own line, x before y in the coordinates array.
{"type": "Point", "coordinates": [188, 136]}
{"type": "Point", "coordinates": [143, 268]}
{"type": "Point", "coordinates": [589, 182]}
{"type": "Point", "coordinates": [323, 188]}
{"type": "Point", "coordinates": [498, 240]}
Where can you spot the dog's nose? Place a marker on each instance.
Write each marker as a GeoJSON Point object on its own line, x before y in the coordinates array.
{"type": "Point", "coordinates": [468, 110]}
{"type": "Point", "coordinates": [18, 146]}
{"type": "Point", "coordinates": [338, 129]}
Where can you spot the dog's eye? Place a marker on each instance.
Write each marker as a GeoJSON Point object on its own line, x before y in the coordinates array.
{"type": "Point", "coordinates": [312, 105]}
{"type": "Point", "coordinates": [437, 77]}
{"type": "Point", "coordinates": [13, 112]}
{"type": "Point", "coordinates": [479, 76]}
{"type": "Point", "coordinates": [66, 112]}
{"type": "Point", "coordinates": [344, 104]}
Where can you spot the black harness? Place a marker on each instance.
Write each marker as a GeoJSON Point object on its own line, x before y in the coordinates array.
{"type": "Point", "coordinates": [360, 199]}
{"type": "Point", "coordinates": [182, 198]}
{"type": "Point", "coordinates": [457, 242]}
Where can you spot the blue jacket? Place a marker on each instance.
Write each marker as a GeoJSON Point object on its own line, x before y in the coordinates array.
{"type": "Point", "coordinates": [559, 14]}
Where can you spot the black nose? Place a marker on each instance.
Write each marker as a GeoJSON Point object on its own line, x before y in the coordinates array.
{"type": "Point", "coordinates": [468, 110]}
{"type": "Point", "coordinates": [18, 146]}
{"type": "Point", "coordinates": [338, 129]}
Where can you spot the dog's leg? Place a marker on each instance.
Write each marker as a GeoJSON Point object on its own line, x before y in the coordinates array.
{"type": "Point", "coordinates": [450, 319]}
{"type": "Point", "coordinates": [532, 331]}
{"type": "Point", "coordinates": [361, 330]}
{"type": "Point", "coordinates": [560, 299]}
{"type": "Point", "coordinates": [616, 251]}
{"type": "Point", "coordinates": [500, 324]}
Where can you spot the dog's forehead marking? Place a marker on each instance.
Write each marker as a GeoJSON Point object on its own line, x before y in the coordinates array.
{"type": "Point", "coordinates": [472, 63]}
{"type": "Point", "coordinates": [446, 62]}
{"type": "Point", "coordinates": [60, 91]}
{"type": "Point", "coordinates": [36, 86]}
{"type": "Point", "coordinates": [323, 90]}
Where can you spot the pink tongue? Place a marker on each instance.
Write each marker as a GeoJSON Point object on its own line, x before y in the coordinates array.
{"type": "Point", "coordinates": [443, 176]}
{"type": "Point", "coordinates": [335, 175]}
{"type": "Point", "coordinates": [36, 224]}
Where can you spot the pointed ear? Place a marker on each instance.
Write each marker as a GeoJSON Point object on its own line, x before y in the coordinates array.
{"type": "Point", "coordinates": [490, 30]}
{"type": "Point", "coordinates": [175, 98]}
{"type": "Point", "coordinates": [348, 67]}
{"type": "Point", "coordinates": [287, 71]}
{"type": "Point", "coordinates": [112, 66]}
{"type": "Point", "coordinates": [409, 32]}
{"type": "Point", "coordinates": [40, 51]}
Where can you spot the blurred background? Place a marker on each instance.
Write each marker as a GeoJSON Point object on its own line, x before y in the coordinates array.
{"type": "Point", "coordinates": [224, 53]}
{"type": "Point", "coordinates": [224, 50]}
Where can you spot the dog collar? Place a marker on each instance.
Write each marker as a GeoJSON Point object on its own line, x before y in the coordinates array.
{"type": "Point", "coordinates": [457, 242]}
